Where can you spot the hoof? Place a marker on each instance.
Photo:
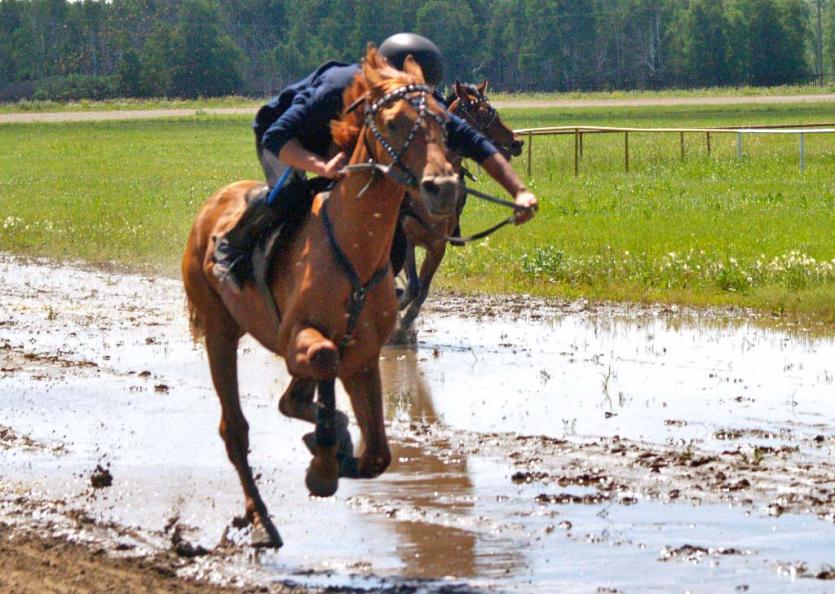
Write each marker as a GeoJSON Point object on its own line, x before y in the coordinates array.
{"type": "Point", "coordinates": [403, 337]}
{"type": "Point", "coordinates": [322, 478]}
{"type": "Point", "coordinates": [265, 536]}
{"type": "Point", "coordinates": [348, 464]}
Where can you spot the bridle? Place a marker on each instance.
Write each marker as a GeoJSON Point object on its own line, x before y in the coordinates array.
{"type": "Point", "coordinates": [470, 109]}
{"type": "Point", "coordinates": [415, 95]}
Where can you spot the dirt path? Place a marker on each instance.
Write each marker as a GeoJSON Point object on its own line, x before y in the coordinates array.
{"type": "Point", "coordinates": [86, 116]}
{"type": "Point", "coordinates": [30, 564]}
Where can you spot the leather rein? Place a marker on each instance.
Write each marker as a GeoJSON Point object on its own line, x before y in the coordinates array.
{"type": "Point", "coordinates": [465, 108]}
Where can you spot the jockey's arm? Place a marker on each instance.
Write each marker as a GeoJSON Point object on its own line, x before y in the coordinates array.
{"type": "Point", "coordinates": [499, 169]}
{"type": "Point", "coordinates": [298, 157]}
{"type": "Point", "coordinates": [470, 143]}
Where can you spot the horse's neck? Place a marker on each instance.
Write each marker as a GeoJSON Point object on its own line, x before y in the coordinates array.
{"type": "Point", "coordinates": [364, 225]}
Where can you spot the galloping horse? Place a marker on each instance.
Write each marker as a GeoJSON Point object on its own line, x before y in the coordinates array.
{"type": "Point", "coordinates": [332, 284]}
{"type": "Point", "coordinates": [470, 103]}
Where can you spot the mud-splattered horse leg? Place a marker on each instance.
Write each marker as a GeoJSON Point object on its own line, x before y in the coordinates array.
{"type": "Point", "coordinates": [434, 255]}
{"type": "Point", "coordinates": [221, 345]}
{"type": "Point", "coordinates": [365, 390]}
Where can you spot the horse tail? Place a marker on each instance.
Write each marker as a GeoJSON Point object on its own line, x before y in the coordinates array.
{"type": "Point", "coordinates": [192, 276]}
{"type": "Point", "coordinates": [195, 321]}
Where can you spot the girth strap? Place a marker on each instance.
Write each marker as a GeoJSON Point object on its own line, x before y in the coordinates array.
{"type": "Point", "coordinates": [359, 292]}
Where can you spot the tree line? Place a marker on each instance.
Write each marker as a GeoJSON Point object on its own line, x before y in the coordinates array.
{"type": "Point", "coordinates": [187, 48]}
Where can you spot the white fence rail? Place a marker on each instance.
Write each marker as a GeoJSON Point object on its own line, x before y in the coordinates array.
{"type": "Point", "coordinates": [579, 132]}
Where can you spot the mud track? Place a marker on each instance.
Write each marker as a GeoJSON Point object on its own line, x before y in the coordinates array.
{"type": "Point", "coordinates": [539, 447]}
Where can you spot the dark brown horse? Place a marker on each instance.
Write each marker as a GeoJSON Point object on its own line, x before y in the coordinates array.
{"type": "Point", "coordinates": [470, 103]}
{"type": "Point", "coordinates": [332, 284]}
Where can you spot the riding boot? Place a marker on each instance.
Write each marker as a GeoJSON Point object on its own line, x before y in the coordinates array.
{"type": "Point", "coordinates": [233, 249]}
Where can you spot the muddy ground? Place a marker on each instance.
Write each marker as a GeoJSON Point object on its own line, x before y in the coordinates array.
{"type": "Point", "coordinates": [538, 447]}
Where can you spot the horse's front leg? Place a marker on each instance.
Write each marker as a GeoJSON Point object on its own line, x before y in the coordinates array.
{"type": "Point", "coordinates": [434, 254]}
{"type": "Point", "coordinates": [366, 392]}
{"type": "Point", "coordinates": [313, 360]}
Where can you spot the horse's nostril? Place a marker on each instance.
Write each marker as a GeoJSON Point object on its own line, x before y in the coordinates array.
{"type": "Point", "coordinates": [518, 143]}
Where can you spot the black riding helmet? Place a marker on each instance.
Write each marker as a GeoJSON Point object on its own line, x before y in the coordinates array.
{"type": "Point", "coordinates": [426, 54]}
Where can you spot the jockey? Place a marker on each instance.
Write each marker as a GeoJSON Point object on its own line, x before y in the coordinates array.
{"type": "Point", "coordinates": [293, 136]}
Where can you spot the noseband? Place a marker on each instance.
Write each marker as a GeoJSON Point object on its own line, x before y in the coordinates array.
{"type": "Point", "coordinates": [415, 94]}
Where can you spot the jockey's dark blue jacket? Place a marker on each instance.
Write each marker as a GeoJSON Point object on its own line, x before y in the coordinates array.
{"type": "Point", "coordinates": [305, 109]}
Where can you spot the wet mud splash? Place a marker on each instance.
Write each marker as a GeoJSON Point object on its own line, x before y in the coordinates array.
{"type": "Point", "coordinates": [536, 449]}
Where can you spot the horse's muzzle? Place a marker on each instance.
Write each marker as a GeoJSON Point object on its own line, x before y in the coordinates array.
{"type": "Point", "coordinates": [516, 147]}
{"type": "Point", "coordinates": [440, 194]}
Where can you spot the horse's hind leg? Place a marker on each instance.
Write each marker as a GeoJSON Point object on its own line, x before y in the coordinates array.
{"type": "Point", "coordinates": [221, 346]}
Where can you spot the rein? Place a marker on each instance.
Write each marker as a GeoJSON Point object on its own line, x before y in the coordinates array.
{"type": "Point", "coordinates": [474, 236]}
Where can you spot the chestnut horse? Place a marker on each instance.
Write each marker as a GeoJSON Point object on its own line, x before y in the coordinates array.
{"type": "Point", "coordinates": [332, 284]}
{"type": "Point", "coordinates": [470, 103]}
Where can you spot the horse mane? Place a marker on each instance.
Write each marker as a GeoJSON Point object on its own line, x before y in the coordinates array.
{"type": "Point", "coordinates": [345, 131]}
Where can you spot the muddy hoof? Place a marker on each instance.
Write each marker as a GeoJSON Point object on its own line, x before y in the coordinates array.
{"type": "Point", "coordinates": [344, 444]}
{"type": "Point", "coordinates": [322, 477]}
{"type": "Point", "coordinates": [403, 337]}
{"type": "Point", "coordinates": [265, 536]}
{"type": "Point", "coordinates": [349, 467]}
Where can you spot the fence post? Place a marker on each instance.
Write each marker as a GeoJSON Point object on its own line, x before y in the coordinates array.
{"type": "Point", "coordinates": [682, 146]}
{"type": "Point", "coordinates": [576, 152]}
{"type": "Point", "coordinates": [802, 152]}
{"type": "Point", "coordinates": [708, 144]}
{"type": "Point", "coordinates": [581, 144]}
{"type": "Point", "coordinates": [626, 150]}
{"type": "Point", "coordinates": [530, 151]}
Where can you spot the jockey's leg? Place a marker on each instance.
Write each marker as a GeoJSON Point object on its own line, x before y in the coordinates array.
{"type": "Point", "coordinates": [263, 213]}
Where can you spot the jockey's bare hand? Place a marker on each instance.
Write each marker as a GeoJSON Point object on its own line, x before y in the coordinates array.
{"type": "Point", "coordinates": [332, 168]}
{"type": "Point", "coordinates": [528, 205]}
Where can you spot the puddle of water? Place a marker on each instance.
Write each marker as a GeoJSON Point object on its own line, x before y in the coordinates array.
{"type": "Point", "coordinates": [435, 515]}
{"type": "Point", "coordinates": [654, 380]}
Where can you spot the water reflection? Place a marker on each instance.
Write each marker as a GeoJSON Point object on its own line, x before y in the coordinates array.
{"type": "Point", "coordinates": [431, 496]}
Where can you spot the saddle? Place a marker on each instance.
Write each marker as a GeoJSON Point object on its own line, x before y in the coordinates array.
{"type": "Point", "coordinates": [295, 208]}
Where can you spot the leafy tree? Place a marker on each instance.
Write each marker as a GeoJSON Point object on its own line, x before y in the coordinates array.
{"type": "Point", "coordinates": [450, 26]}
{"type": "Point", "coordinates": [706, 47]}
{"type": "Point", "coordinates": [203, 60]}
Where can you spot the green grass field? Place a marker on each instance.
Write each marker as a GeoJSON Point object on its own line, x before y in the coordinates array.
{"type": "Point", "coordinates": [706, 231]}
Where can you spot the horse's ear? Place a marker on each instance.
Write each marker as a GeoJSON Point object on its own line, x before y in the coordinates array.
{"type": "Point", "coordinates": [482, 88]}
{"type": "Point", "coordinates": [459, 90]}
{"type": "Point", "coordinates": [371, 65]}
{"type": "Point", "coordinates": [411, 67]}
